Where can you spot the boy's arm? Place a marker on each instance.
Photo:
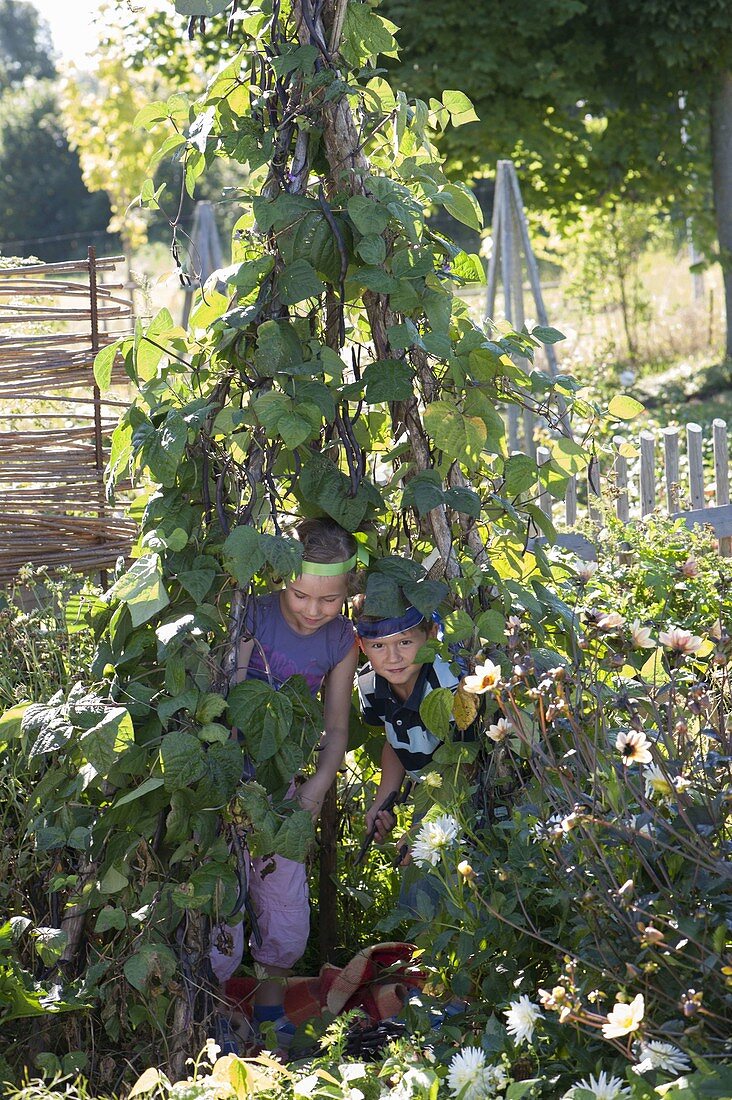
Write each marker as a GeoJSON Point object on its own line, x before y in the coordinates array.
{"type": "Point", "coordinates": [392, 777]}
{"type": "Point", "coordinates": [334, 742]}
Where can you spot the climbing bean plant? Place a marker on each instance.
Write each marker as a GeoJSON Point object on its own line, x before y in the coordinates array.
{"type": "Point", "coordinates": [332, 368]}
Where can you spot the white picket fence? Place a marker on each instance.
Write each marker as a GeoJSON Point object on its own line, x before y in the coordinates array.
{"type": "Point", "coordinates": [635, 487]}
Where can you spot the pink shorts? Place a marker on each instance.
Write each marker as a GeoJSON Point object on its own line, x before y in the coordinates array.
{"type": "Point", "coordinates": [281, 902]}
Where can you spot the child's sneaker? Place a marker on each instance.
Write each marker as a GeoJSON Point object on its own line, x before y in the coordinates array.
{"type": "Point", "coordinates": [280, 1032]}
{"type": "Point", "coordinates": [238, 1038]}
{"type": "Point", "coordinates": [226, 1037]}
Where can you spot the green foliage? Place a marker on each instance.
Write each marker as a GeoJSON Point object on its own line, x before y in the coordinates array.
{"type": "Point", "coordinates": [140, 55]}
{"type": "Point", "coordinates": [601, 253]}
{"type": "Point", "coordinates": [44, 642]}
{"type": "Point", "coordinates": [625, 70]}
{"type": "Point", "coordinates": [25, 45]}
{"type": "Point", "coordinates": [42, 193]}
{"type": "Point", "coordinates": [21, 996]}
{"type": "Point", "coordinates": [594, 837]}
{"type": "Point", "coordinates": [410, 1068]}
{"type": "Point", "coordinates": [340, 372]}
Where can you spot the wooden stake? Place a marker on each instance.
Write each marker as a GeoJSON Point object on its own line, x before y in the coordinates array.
{"type": "Point", "coordinates": [721, 476]}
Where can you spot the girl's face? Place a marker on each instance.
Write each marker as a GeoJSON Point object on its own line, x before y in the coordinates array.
{"type": "Point", "coordinates": [393, 658]}
{"type": "Point", "coordinates": [309, 602]}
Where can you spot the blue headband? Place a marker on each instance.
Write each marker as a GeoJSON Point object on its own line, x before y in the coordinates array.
{"type": "Point", "coordinates": [386, 628]}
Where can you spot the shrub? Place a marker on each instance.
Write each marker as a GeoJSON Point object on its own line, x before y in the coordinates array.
{"type": "Point", "coordinates": [592, 865]}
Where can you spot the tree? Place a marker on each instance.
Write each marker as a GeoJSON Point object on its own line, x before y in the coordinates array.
{"type": "Point", "coordinates": [596, 105]}
{"type": "Point", "coordinates": [337, 373]}
{"type": "Point", "coordinates": [595, 108]}
{"type": "Point", "coordinates": [41, 190]}
{"type": "Point", "coordinates": [113, 153]}
{"type": "Point", "coordinates": [25, 44]}
{"type": "Point", "coordinates": [42, 194]}
{"type": "Point", "coordinates": [140, 56]}
{"type": "Point", "coordinates": [673, 48]}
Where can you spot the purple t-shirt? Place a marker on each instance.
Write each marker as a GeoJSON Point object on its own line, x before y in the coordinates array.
{"type": "Point", "coordinates": [289, 653]}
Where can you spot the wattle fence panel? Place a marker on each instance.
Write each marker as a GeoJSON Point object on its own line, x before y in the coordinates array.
{"type": "Point", "coordinates": [54, 423]}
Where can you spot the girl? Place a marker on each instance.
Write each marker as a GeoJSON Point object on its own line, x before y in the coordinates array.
{"type": "Point", "coordinates": [298, 630]}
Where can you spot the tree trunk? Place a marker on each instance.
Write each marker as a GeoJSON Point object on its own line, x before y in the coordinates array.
{"type": "Point", "coordinates": [721, 136]}
{"type": "Point", "coordinates": [191, 1022]}
{"type": "Point", "coordinates": [327, 891]}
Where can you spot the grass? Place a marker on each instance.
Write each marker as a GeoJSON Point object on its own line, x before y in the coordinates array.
{"type": "Point", "coordinates": [42, 646]}
{"type": "Point", "coordinates": [688, 391]}
{"type": "Point", "coordinates": [678, 327]}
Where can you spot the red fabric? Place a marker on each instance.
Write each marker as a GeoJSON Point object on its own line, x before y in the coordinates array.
{"type": "Point", "coordinates": [375, 980]}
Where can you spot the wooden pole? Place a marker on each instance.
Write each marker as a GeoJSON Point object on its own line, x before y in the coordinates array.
{"type": "Point", "coordinates": [495, 256]}
{"type": "Point", "coordinates": [94, 324]}
{"type": "Point", "coordinates": [328, 869]}
{"type": "Point", "coordinates": [506, 256]}
{"type": "Point", "coordinates": [647, 472]}
{"type": "Point", "coordinates": [721, 476]}
{"type": "Point", "coordinates": [620, 469]}
{"type": "Point", "coordinates": [696, 466]}
{"type": "Point", "coordinates": [570, 502]}
{"type": "Point", "coordinates": [671, 469]}
{"type": "Point", "coordinates": [98, 442]}
{"type": "Point", "coordinates": [517, 316]}
{"type": "Point", "coordinates": [543, 454]}
{"type": "Point", "coordinates": [532, 266]}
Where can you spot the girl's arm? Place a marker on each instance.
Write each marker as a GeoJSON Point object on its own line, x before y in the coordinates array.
{"type": "Point", "coordinates": [392, 777]}
{"type": "Point", "coordinates": [243, 653]}
{"type": "Point", "coordinates": [334, 742]}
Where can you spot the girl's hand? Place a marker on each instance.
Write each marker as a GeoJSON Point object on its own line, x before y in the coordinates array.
{"type": "Point", "coordinates": [311, 795]}
{"type": "Point", "coordinates": [383, 821]}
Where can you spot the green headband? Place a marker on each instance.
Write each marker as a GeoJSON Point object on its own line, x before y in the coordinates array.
{"type": "Point", "coordinates": [329, 569]}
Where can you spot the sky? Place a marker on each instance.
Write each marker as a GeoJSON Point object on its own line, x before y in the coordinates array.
{"type": "Point", "coordinates": [71, 26]}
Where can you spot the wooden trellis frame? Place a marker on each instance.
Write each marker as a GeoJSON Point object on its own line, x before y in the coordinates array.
{"type": "Point", "coordinates": [206, 253]}
{"type": "Point", "coordinates": [54, 423]}
{"type": "Point", "coordinates": [511, 255]}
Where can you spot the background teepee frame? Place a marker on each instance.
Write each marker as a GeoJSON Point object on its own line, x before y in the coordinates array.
{"type": "Point", "coordinates": [511, 256]}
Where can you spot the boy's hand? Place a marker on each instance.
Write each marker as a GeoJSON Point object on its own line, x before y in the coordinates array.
{"type": "Point", "coordinates": [403, 846]}
{"type": "Point", "coordinates": [382, 821]}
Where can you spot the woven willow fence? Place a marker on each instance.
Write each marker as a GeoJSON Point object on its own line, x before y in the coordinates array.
{"type": "Point", "coordinates": [54, 423]}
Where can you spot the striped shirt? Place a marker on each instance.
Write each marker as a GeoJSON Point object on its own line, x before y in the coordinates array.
{"type": "Point", "coordinates": [405, 731]}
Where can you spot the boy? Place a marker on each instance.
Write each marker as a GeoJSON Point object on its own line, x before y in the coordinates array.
{"type": "Point", "coordinates": [391, 688]}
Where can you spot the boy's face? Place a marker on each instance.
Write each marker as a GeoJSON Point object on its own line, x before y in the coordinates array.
{"type": "Point", "coordinates": [393, 657]}
{"type": "Point", "coordinates": [310, 601]}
